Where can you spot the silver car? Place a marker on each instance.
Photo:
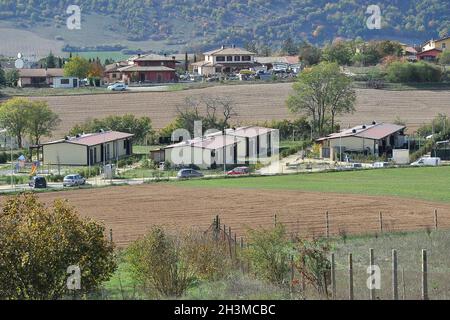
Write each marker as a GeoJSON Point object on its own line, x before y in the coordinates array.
{"type": "Point", "coordinates": [189, 173]}
{"type": "Point", "coordinates": [73, 180]}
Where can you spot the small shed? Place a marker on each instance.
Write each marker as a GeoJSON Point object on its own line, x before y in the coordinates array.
{"type": "Point", "coordinates": [66, 82]}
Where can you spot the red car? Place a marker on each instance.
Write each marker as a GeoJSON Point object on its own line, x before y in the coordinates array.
{"type": "Point", "coordinates": [238, 171]}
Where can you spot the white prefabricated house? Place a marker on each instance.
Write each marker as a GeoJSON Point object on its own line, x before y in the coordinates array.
{"type": "Point", "coordinates": [88, 149]}
{"type": "Point", "coordinates": [243, 145]}
{"type": "Point", "coordinates": [66, 82]}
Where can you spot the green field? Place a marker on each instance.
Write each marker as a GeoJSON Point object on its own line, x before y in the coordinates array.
{"type": "Point", "coordinates": [102, 55]}
{"type": "Point", "coordinates": [428, 183]}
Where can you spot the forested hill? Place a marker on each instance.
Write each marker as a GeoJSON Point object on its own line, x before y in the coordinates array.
{"type": "Point", "coordinates": [237, 21]}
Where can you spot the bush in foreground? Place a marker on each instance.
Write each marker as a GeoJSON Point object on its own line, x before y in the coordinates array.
{"type": "Point", "coordinates": [38, 243]}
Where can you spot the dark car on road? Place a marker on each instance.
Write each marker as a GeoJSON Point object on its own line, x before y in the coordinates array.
{"type": "Point", "coordinates": [38, 182]}
{"type": "Point", "coordinates": [189, 173]}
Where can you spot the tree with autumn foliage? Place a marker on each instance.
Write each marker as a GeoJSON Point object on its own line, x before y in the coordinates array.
{"type": "Point", "coordinates": [39, 242]}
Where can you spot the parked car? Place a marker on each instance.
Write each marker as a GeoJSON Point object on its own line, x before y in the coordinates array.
{"type": "Point", "coordinates": [238, 171]}
{"type": "Point", "coordinates": [381, 164]}
{"type": "Point", "coordinates": [73, 180]}
{"type": "Point", "coordinates": [38, 182]}
{"type": "Point", "coordinates": [427, 161]}
{"type": "Point", "coordinates": [189, 173]}
{"type": "Point", "coordinates": [118, 87]}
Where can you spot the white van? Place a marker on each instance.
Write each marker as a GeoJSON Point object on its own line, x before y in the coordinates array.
{"type": "Point", "coordinates": [427, 161]}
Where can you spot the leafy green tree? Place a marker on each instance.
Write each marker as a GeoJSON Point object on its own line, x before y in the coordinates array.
{"type": "Point", "coordinates": [14, 117]}
{"type": "Point", "coordinates": [12, 77]}
{"type": "Point", "coordinates": [38, 243]}
{"type": "Point", "coordinates": [41, 121]}
{"type": "Point", "coordinates": [309, 54]}
{"type": "Point", "coordinates": [339, 52]}
{"type": "Point", "coordinates": [444, 57]}
{"type": "Point", "coordinates": [322, 93]}
{"type": "Point", "coordinates": [77, 67]}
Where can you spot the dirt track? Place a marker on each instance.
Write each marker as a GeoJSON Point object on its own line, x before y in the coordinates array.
{"type": "Point", "coordinates": [131, 210]}
{"type": "Point", "coordinates": [254, 103]}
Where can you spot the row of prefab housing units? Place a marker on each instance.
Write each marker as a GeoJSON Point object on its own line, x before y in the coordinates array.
{"type": "Point", "coordinates": [242, 145]}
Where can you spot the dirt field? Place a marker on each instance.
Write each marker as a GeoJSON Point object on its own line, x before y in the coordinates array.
{"type": "Point", "coordinates": [177, 207]}
{"type": "Point", "coordinates": [254, 103]}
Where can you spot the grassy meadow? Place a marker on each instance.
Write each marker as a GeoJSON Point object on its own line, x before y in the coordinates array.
{"type": "Point", "coordinates": [426, 183]}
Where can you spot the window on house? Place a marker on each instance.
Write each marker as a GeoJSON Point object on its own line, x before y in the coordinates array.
{"type": "Point", "coordinates": [65, 81]}
{"type": "Point", "coordinates": [114, 75]}
{"type": "Point", "coordinates": [237, 58]}
{"type": "Point", "coordinates": [220, 58]}
{"type": "Point", "coordinates": [246, 58]}
{"type": "Point", "coordinates": [229, 58]}
{"type": "Point", "coordinates": [444, 46]}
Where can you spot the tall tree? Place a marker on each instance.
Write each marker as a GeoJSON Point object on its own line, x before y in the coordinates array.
{"type": "Point", "coordinates": [39, 244]}
{"type": "Point", "coordinates": [77, 67]}
{"type": "Point", "coordinates": [2, 77]}
{"type": "Point", "coordinates": [41, 121]}
{"type": "Point", "coordinates": [289, 47]}
{"type": "Point", "coordinates": [322, 92]}
{"type": "Point", "coordinates": [50, 61]}
{"type": "Point", "coordinates": [14, 117]}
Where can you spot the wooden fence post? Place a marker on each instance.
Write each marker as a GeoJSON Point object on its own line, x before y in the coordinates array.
{"type": "Point", "coordinates": [371, 258]}
{"type": "Point", "coordinates": [327, 224]}
{"type": "Point", "coordinates": [242, 262]}
{"type": "Point", "coordinates": [403, 284]}
{"type": "Point", "coordinates": [380, 218]}
{"type": "Point", "coordinates": [110, 235]}
{"type": "Point", "coordinates": [229, 243]}
{"type": "Point", "coordinates": [303, 274]}
{"type": "Point", "coordinates": [275, 220]}
{"type": "Point", "coordinates": [350, 277]}
{"type": "Point", "coordinates": [224, 232]}
{"type": "Point", "coordinates": [435, 219]}
{"type": "Point", "coordinates": [394, 275]}
{"type": "Point", "coordinates": [424, 275]}
{"type": "Point", "coordinates": [291, 287]}
{"type": "Point", "coordinates": [333, 277]}
{"type": "Point", "coordinates": [235, 246]}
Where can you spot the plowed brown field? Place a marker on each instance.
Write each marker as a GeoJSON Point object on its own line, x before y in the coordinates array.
{"type": "Point", "coordinates": [253, 103]}
{"type": "Point", "coordinates": [131, 210]}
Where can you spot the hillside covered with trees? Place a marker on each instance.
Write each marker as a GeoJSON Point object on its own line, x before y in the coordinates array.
{"type": "Point", "coordinates": [207, 23]}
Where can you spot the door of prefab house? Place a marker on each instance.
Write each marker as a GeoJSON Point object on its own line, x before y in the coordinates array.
{"type": "Point", "coordinates": [75, 83]}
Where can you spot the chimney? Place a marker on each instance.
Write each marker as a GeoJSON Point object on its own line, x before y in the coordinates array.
{"type": "Point", "coordinates": [223, 47]}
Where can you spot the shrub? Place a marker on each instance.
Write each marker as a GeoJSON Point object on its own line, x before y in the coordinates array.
{"type": "Point", "coordinates": [208, 258]}
{"type": "Point", "coordinates": [157, 263]}
{"type": "Point", "coordinates": [3, 157]}
{"type": "Point", "coordinates": [269, 253]}
{"type": "Point", "coordinates": [413, 72]}
{"type": "Point", "coordinates": [38, 243]}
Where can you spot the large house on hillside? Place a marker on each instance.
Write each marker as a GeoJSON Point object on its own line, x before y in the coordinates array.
{"type": "Point", "coordinates": [149, 68]}
{"type": "Point", "coordinates": [378, 139]}
{"type": "Point", "coordinates": [225, 60]}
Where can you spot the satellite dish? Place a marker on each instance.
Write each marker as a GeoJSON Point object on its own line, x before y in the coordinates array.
{"type": "Point", "coordinates": [19, 64]}
{"type": "Point", "coordinates": [19, 55]}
